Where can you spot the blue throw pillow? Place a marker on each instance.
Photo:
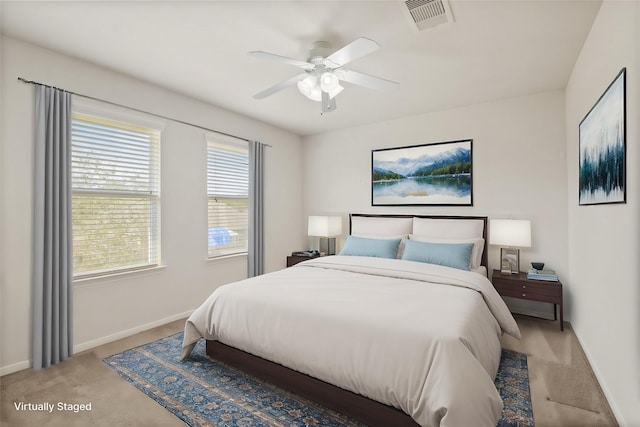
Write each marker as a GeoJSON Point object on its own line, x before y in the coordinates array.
{"type": "Point", "coordinates": [456, 255]}
{"type": "Point", "coordinates": [361, 246]}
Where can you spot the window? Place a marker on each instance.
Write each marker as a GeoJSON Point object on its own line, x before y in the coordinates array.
{"type": "Point", "coordinates": [228, 197]}
{"type": "Point", "coordinates": [116, 196]}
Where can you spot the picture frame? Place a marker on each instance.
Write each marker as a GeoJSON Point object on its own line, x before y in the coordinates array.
{"type": "Point", "coordinates": [602, 148]}
{"type": "Point", "coordinates": [434, 174]}
{"type": "Point", "coordinates": [509, 261]}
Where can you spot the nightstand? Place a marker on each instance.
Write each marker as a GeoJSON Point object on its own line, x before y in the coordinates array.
{"type": "Point", "coordinates": [518, 286]}
{"type": "Point", "coordinates": [294, 259]}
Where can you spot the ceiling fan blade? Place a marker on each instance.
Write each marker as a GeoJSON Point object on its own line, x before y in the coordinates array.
{"type": "Point", "coordinates": [351, 52]}
{"type": "Point", "coordinates": [328, 104]}
{"type": "Point", "coordinates": [272, 57]}
{"type": "Point", "coordinates": [282, 85]}
{"type": "Point", "coordinates": [366, 80]}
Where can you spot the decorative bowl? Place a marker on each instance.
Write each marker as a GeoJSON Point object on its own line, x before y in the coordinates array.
{"type": "Point", "coordinates": [537, 265]}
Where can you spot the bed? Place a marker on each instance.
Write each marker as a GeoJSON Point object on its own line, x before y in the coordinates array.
{"type": "Point", "coordinates": [401, 328]}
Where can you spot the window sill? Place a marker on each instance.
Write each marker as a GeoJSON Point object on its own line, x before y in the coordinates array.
{"type": "Point", "coordinates": [91, 281]}
{"type": "Point", "coordinates": [226, 258]}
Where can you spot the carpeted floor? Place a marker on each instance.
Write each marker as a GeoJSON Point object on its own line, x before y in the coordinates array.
{"type": "Point", "coordinates": [202, 391]}
{"type": "Point", "coordinates": [564, 390]}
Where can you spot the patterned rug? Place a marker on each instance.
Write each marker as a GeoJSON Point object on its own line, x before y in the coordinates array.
{"type": "Point", "coordinates": [204, 392]}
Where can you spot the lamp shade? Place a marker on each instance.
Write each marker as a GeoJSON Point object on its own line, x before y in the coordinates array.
{"type": "Point", "coordinates": [325, 226]}
{"type": "Point", "coordinates": [510, 232]}
{"type": "Point", "coordinates": [328, 81]}
{"type": "Point", "coordinates": [310, 87]}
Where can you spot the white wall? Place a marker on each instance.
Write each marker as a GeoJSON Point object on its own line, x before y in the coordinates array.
{"type": "Point", "coordinates": [604, 240]}
{"type": "Point", "coordinates": [108, 308]}
{"type": "Point", "coordinates": [519, 169]}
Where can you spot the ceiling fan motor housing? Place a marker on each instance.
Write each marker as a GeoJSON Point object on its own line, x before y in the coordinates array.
{"type": "Point", "coordinates": [319, 49]}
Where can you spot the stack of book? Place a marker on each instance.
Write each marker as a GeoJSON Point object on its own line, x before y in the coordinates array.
{"type": "Point", "coordinates": [548, 275]}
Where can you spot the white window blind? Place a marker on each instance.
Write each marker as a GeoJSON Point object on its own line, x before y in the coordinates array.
{"type": "Point", "coordinates": [116, 196]}
{"type": "Point", "coordinates": [228, 197]}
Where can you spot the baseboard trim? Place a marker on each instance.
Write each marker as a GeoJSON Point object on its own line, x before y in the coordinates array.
{"type": "Point", "coordinates": [6, 370]}
{"type": "Point", "coordinates": [128, 332]}
{"type": "Point", "coordinates": [26, 364]}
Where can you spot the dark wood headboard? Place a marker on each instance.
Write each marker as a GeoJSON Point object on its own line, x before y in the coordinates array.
{"type": "Point", "coordinates": [485, 257]}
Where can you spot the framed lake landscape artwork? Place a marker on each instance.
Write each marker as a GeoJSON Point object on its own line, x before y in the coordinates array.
{"type": "Point", "coordinates": [438, 174]}
{"type": "Point", "coordinates": [602, 138]}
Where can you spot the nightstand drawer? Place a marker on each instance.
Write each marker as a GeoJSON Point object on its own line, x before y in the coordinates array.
{"type": "Point", "coordinates": [531, 294]}
{"type": "Point", "coordinates": [542, 289]}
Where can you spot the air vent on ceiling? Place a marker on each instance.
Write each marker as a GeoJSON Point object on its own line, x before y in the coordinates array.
{"type": "Point", "coordinates": [429, 13]}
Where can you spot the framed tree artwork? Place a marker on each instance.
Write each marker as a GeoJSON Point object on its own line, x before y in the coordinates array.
{"type": "Point", "coordinates": [602, 135]}
{"type": "Point", "coordinates": [438, 174]}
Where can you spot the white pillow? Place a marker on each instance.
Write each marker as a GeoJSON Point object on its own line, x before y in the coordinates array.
{"type": "Point", "coordinates": [476, 252]}
{"type": "Point", "coordinates": [380, 226]}
{"type": "Point", "coordinates": [444, 228]}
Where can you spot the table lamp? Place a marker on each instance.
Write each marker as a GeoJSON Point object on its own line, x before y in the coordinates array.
{"type": "Point", "coordinates": [327, 228]}
{"type": "Point", "coordinates": [510, 233]}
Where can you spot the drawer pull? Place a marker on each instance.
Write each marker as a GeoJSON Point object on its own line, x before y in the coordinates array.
{"type": "Point", "coordinates": [524, 286]}
{"type": "Point", "coordinates": [524, 295]}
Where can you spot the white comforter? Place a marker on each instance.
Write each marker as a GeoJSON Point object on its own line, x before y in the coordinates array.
{"type": "Point", "coordinates": [420, 337]}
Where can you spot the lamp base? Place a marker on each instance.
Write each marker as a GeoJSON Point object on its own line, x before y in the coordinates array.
{"type": "Point", "coordinates": [509, 261]}
{"type": "Point", "coordinates": [328, 245]}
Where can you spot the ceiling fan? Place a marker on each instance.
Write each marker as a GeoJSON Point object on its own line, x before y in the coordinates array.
{"type": "Point", "coordinates": [322, 75]}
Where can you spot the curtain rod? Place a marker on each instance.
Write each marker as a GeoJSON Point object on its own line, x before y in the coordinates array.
{"type": "Point", "coordinates": [136, 109]}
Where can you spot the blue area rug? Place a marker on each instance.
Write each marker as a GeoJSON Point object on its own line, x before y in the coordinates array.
{"type": "Point", "coordinates": [512, 381]}
{"type": "Point", "coordinates": [205, 392]}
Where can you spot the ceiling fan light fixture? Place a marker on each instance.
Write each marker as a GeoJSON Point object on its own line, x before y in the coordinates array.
{"type": "Point", "coordinates": [306, 85]}
{"type": "Point", "coordinates": [328, 82]}
{"type": "Point", "coordinates": [313, 85]}
{"type": "Point", "coordinates": [310, 87]}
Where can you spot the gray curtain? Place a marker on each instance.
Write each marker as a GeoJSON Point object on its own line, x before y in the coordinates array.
{"type": "Point", "coordinates": [256, 209]}
{"type": "Point", "coordinates": [52, 259]}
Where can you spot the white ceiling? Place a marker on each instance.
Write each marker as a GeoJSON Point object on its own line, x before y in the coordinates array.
{"type": "Point", "coordinates": [494, 50]}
